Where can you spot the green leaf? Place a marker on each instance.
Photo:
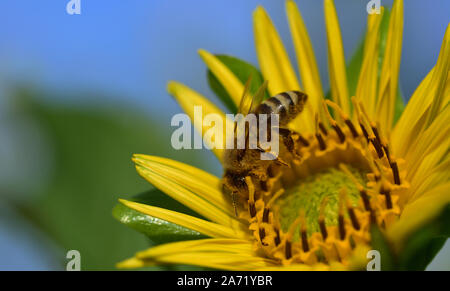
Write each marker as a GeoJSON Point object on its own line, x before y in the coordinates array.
{"type": "Point", "coordinates": [158, 230]}
{"type": "Point", "coordinates": [423, 245]}
{"type": "Point", "coordinates": [379, 243]}
{"type": "Point", "coordinates": [243, 71]}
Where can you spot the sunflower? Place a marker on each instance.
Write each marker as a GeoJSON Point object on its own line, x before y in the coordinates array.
{"type": "Point", "coordinates": [369, 173]}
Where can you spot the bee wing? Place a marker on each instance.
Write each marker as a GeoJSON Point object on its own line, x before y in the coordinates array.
{"type": "Point", "coordinates": [246, 99]}
{"type": "Point", "coordinates": [249, 102]}
{"type": "Point", "coordinates": [259, 96]}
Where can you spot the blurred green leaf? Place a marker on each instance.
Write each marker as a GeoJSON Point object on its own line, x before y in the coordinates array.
{"type": "Point", "coordinates": [91, 148]}
{"type": "Point", "coordinates": [158, 230]}
{"type": "Point", "coordinates": [243, 71]}
{"type": "Point", "coordinates": [423, 245]}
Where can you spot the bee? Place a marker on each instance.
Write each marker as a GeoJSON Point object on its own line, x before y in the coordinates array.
{"type": "Point", "coordinates": [246, 162]}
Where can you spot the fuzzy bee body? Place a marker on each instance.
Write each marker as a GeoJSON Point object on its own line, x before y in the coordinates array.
{"type": "Point", "coordinates": [242, 163]}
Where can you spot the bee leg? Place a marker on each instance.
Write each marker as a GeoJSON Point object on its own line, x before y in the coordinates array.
{"type": "Point", "coordinates": [288, 141]}
{"type": "Point", "coordinates": [287, 138]}
{"type": "Point", "coordinates": [233, 199]}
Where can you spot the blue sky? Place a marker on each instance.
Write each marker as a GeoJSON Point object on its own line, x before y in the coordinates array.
{"type": "Point", "coordinates": [130, 49]}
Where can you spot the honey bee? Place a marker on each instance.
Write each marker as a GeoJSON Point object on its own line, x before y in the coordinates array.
{"type": "Point", "coordinates": [247, 162]}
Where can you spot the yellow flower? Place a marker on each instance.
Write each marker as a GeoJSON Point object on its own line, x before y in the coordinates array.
{"type": "Point", "coordinates": [357, 167]}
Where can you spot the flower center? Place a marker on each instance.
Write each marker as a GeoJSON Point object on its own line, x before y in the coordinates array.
{"type": "Point", "coordinates": [308, 194]}
{"type": "Point", "coordinates": [321, 204]}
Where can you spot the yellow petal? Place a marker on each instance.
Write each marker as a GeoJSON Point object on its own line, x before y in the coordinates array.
{"type": "Point", "coordinates": [409, 124]}
{"type": "Point", "coordinates": [368, 76]}
{"type": "Point", "coordinates": [133, 263]}
{"type": "Point", "coordinates": [210, 253]}
{"type": "Point", "coordinates": [429, 166]}
{"type": "Point", "coordinates": [388, 88]}
{"type": "Point", "coordinates": [201, 183]}
{"type": "Point", "coordinates": [418, 213]}
{"type": "Point", "coordinates": [437, 176]}
{"type": "Point", "coordinates": [435, 136]}
{"type": "Point", "coordinates": [272, 56]}
{"type": "Point", "coordinates": [202, 226]}
{"type": "Point", "coordinates": [188, 99]}
{"type": "Point", "coordinates": [427, 101]}
{"type": "Point", "coordinates": [305, 57]}
{"type": "Point", "coordinates": [219, 260]}
{"type": "Point", "coordinates": [276, 66]}
{"type": "Point", "coordinates": [297, 267]}
{"type": "Point", "coordinates": [440, 77]}
{"type": "Point", "coordinates": [336, 59]}
{"type": "Point", "coordinates": [229, 245]}
{"type": "Point", "coordinates": [190, 199]}
{"type": "Point", "coordinates": [446, 92]}
{"type": "Point", "coordinates": [226, 77]}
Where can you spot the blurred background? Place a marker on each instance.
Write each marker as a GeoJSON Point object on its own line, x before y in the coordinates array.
{"type": "Point", "coordinates": [80, 93]}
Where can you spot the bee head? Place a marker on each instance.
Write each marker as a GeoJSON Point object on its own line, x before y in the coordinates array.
{"type": "Point", "coordinates": [234, 182]}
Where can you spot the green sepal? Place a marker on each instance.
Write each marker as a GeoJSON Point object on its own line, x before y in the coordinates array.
{"type": "Point", "coordinates": [422, 245]}
{"type": "Point", "coordinates": [381, 244]}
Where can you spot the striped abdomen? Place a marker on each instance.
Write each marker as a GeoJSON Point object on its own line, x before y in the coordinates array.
{"type": "Point", "coordinates": [287, 104]}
